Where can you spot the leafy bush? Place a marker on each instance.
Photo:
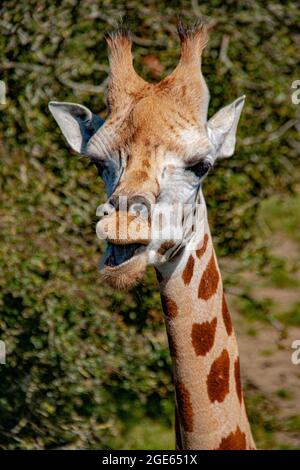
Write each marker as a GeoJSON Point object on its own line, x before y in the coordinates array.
{"type": "Point", "coordinates": [84, 362]}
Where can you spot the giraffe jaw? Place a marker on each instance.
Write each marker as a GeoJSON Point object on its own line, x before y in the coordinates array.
{"type": "Point", "coordinates": [123, 266]}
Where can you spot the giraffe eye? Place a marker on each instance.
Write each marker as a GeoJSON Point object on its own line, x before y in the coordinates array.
{"type": "Point", "coordinates": [201, 168]}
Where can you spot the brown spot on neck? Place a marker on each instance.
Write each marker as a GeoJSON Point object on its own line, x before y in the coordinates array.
{"type": "Point", "coordinates": [165, 246]}
{"type": "Point", "coordinates": [188, 270]}
{"type": "Point", "coordinates": [185, 408]}
{"type": "Point", "coordinates": [226, 316]}
{"type": "Point", "coordinates": [234, 441]}
{"type": "Point", "coordinates": [169, 306]}
{"type": "Point", "coordinates": [203, 336]}
{"type": "Point", "coordinates": [218, 378]}
{"type": "Point", "coordinates": [209, 281]}
{"type": "Point", "coordinates": [200, 252]}
{"type": "Point", "coordinates": [237, 376]}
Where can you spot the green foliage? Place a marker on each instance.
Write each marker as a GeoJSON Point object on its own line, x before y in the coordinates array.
{"type": "Point", "coordinates": [265, 425]}
{"type": "Point", "coordinates": [147, 435]}
{"type": "Point", "coordinates": [293, 423]}
{"type": "Point", "coordinates": [82, 360]}
{"type": "Point", "coordinates": [283, 393]}
{"type": "Point", "coordinates": [282, 215]}
{"type": "Point", "coordinates": [254, 309]}
{"type": "Point", "coordinates": [292, 316]}
{"type": "Point", "coordinates": [262, 415]}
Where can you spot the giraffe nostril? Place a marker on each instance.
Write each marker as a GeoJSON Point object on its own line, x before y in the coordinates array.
{"type": "Point", "coordinates": [105, 210]}
{"type": "Point", "coordinates": [139, 210]}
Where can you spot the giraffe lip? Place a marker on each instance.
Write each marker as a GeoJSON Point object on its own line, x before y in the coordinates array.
{"type": "Point", "coordinates": [117, 255]}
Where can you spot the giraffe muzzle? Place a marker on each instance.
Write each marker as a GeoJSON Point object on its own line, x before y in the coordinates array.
{"type": "Point", "coordinates": [121, 228]}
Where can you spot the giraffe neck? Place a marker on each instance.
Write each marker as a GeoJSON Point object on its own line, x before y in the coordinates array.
{"type": "Point", "coordinates": [210, 410]}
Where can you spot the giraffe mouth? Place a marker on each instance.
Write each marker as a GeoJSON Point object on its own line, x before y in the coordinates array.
{"type": "Point", "coordinates": [123, 266]}
{"type": "Point", "coordinates": [117, 255]}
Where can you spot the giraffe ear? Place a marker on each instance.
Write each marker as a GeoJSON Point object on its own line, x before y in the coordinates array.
{"type": "Point", "coordinates": [221, 128]}
{"type": "Point", "coordinates": [76, 122]}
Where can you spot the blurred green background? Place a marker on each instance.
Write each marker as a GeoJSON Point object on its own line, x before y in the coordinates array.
{"type": "Point", "coordinates": [88, 367]}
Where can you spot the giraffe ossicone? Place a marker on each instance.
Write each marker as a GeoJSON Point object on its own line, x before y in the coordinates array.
{"type": "Point", "coordinates": [154, 150]}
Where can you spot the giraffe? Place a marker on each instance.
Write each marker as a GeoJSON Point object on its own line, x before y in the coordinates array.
{"type": "Point", "coordinates": [153, 152]}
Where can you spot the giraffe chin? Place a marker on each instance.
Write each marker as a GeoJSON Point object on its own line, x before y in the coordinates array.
{"type": "Point", "coordinates": [127, 274]}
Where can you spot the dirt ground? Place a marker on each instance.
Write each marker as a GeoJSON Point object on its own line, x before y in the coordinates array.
{"type": "Point", "coordinates": [271, 380]}
{"type": "Point", "coordinates": [267, 369]}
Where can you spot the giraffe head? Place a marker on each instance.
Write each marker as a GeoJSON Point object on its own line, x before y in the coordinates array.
{"type": "Point", "coordinates": [153, 151]}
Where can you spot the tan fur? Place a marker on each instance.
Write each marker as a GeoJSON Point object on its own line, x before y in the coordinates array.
{"type": "Point", "coordinates": [205, 361]}
{"type": "Point", "coordinates": [125, 85]}
{"type": "Point", "coordinates": [151, 117]}
{"type": "Point", "coordinates": [210, 410]}
{"type": "Point", "coordinates": [126, 275]}
{"type": "Point", "coordinates": [153, 135]}
{"type": "Point", "coordinates": [122, 229]}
